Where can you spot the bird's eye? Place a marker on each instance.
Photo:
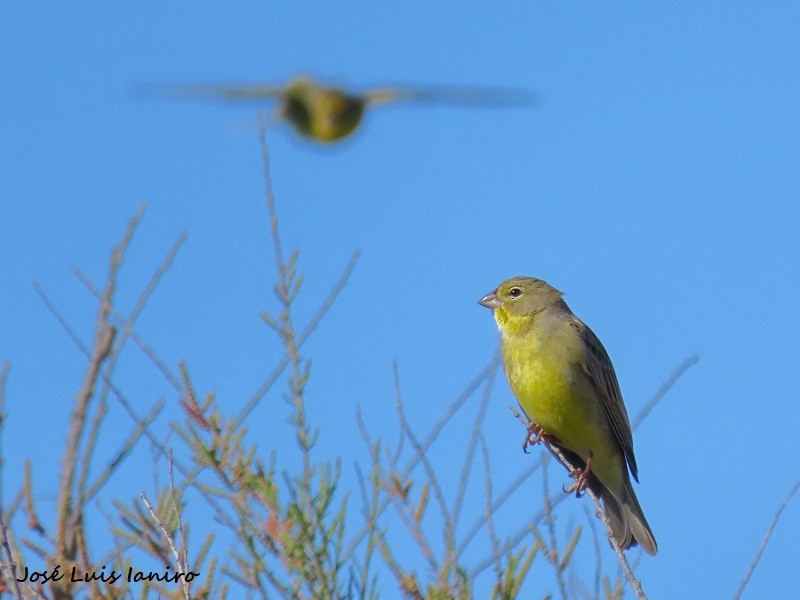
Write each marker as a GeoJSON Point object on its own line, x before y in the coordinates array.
{"type": "Point", "coordinates": [515, 292]}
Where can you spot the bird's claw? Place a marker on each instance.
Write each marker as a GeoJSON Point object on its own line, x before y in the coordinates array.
{"type": "Point", "coordinates": [533, 435]}
{"type": "Point", "coordinates": [581, 479]}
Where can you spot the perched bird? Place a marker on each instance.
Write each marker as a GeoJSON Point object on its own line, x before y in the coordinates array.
{"type": "Point", "coordinates": [328, 114]}
{"type": "Point", "coordinates": [564, 382]}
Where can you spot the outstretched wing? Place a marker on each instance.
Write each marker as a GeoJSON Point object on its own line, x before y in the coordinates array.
{"type": "Point", "coordinates": [211, 91]}
{"type": "Point", "coordinates": [601, 374]}
{"type": "Point", "coordinates": [478, 96]}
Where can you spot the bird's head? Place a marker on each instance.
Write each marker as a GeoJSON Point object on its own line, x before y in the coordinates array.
{"type": "Point", "coordinates": [517, 300]}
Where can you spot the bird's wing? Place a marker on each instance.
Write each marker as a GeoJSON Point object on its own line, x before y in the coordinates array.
{"type": "Point", "coordinates": [213, 91]}
{"type": "Point", "coordinates": [453, 95]}
{"type": "Point", "coordinates": [601, 374]}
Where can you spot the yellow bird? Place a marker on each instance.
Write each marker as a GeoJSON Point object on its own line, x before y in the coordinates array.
{"type": "Point", "coordinates": [564, 382]}
{"type": "Point", "coordinates": [328, 113]}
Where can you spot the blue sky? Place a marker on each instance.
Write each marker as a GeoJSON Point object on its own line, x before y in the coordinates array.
{"type": "Point", "coordinates": [655, 183]}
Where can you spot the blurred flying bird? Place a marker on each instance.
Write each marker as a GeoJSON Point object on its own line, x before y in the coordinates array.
{"type": "Point", "coordinates": [329, 113]}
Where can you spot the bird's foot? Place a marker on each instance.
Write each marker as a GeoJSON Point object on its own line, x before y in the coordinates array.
{"type": "Point", "coordinates": [533, 435]}
{"type": "Point", "coordinates": [581, 479]}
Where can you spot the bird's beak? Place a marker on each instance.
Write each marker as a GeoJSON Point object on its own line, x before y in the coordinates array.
{"type": "Point", "coordinates": [490, 300]}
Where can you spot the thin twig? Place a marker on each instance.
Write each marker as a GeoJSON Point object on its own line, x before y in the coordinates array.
{"type": "Point", "coordinates": [454, 407]}
{"type": "Point", "coordinates": [185, 565]}
{"type": "Point", "coordinates": [61, 320]}
{"type": "Point", "coordinates": [558, 454]}
{"type": "Point", "coordinates": [477, 426]}
{"type": "Point", "coordinates": [449, 525]}
{"type": "Point", "coordinates": [14, 505]}
{"type": "Point", "coordinates": [362, 429]}
{"type": "Point", "coordinates": [270, 197]}
{"type": "Point", "coordinates": [415, 530]}
{"type": "Point", "coordinates": [85, 351]}
{"type": "Point", "coordinates": [68, 513]}
{"type": "Point", "coordinates": [623, 561]}
{"type": "Point", "coordinates": [9, 556]}
{"type": "Point", "coordinates": [91, 436]}
{"type": "Point", "coordinates": [286, 289]}
{"type": "Point", "coordinates": [6, 367]}
{"type": "Point", "coordinates": [598, 555]}
{"type": "Point", "coordinates": [121, 398]}
{"type": "Point", "coordinates": [498, 502]}
{"type": "Point", "coordinates": [17, 590]}
{"type": "Point", "coordinates": [123, 332]}
{"type": "Point", "coordinates": [765, 540]}
{"type": "Point", "coordinates": [124, 450]}
{"type": "Point", "coordinates": [370, 505]}
{"type": "Point", "coordinates": [550, 521]}
{"type": "Point", "coordinates": [155, 278]}
{"type": "Point", "coordinates": [163, 529]}
{"type": "Point", "coordinates": [126, 324]}
{"type": "Point", "coordinates": [433, 482]}
{"type": "Point", "coordinates": [407, 581]}
{"type": "Point", "coordinates": [12, 565]}
{"type": "Point", "coordinates": [301, 338]}
{"type": "Point", "coordinates": [29, 507]}
{"type": "Point", "coordinates": [126, 329]}
{"type": "Point", "coordinates": [663, 389]}
{"type": "Point", "coordinates": [488, 515]}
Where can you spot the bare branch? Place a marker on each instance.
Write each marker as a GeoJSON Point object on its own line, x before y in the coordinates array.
{"type": "Point", "coordinates": [663, 389]}
{"type": "Point", "coordinates": [286, 290]}
{"type": "Point", "coordinates": [416, 531]}
{"type": "Point", "coordinates": [308, 330]}
{"type": "Point", "coordinates": [477, 425]}
{"type": "Point", "coordinates": [61, 320]}
{"type": "Point", "coordinates": [184, 566]}
{"type": "Point", "coordinates": [127, 328]}
{"type": "Point", "coordinates": [126, 324]}
{"type": "Point", "coordinates": [121, 398]}
{"type": "Point", "coordinates": [12, 565]}
{"type": "Point", "coordinates": [765, 540]}
{"type": "Point", "coordinates": [550, 521]}
{"type": "Point", "coordinates": [454, 407]}
{"type": "Point", "coordinates": [634, 583]}
{"type": "Point", "coordinates": [68, 513]}
{"type": "Point", "coordinates": [163, 529]}
{"type": "Point", "coordinates": [4, 369]}
{"type": "Point", "coordinates": [598, 555]}
{"type": "Point", "coordinates": [270, 197]}
{"type": "Point", "coordinates": [498, 502]}
{"type": "Point", "coordinates": [488, 514]}
{"type": "Point", "coordinates": [124, 450]}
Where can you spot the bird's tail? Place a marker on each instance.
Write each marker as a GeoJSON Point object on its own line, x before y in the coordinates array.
{"type": "Point", "coordinates": [626, 517]}
{"type": "Point", "coordinates": [628, 525]}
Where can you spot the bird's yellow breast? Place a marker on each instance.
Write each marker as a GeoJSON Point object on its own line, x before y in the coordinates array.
{"type": "Point", "coordinates": [543, 368]}
{"type": "Point", "coordinates": [542, 383]}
